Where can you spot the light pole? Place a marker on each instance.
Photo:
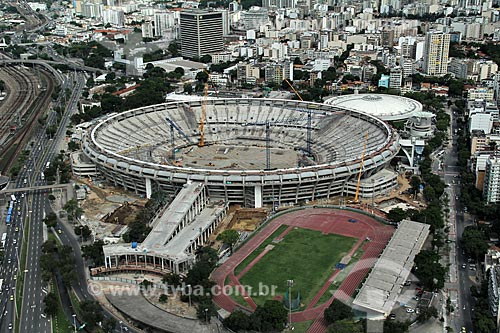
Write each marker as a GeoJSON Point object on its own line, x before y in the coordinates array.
{"type": "Point", "coordinates": [189, 294]}
{"type": "Point", "coordinates": [373, 194]}
{"type": "Point", "coordinates": [121, 326]}
{"type": "Point", "coordinates": [74, 322]}
{"type": "Point", "coordinates": [206, 315]}
{"type": "Point", "coordinates": [290, 285]}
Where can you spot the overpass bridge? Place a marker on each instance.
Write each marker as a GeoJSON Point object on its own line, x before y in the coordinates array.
{"type": "Point", "coordinates": [9, 191]}
{"type": "Point", "coordinates": [53, 62]}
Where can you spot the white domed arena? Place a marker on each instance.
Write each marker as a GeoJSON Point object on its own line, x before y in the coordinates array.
{"type": "Point", "coordinates": [385, 107]}
{"type": "Point", "coordinates": [254, 152]}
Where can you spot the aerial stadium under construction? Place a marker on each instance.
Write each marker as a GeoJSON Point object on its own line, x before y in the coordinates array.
{"type": "Point", "coordinates": [252, 152]}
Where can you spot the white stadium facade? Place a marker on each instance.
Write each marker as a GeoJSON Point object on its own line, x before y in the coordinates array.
{"type": "Point", "coordinates": [313, 150]}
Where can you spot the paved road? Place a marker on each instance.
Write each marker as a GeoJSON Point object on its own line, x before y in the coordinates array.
{"type": "Point", "coordinates": [459, 279]}
{"type": "Point", "coordinates": [31, 207]}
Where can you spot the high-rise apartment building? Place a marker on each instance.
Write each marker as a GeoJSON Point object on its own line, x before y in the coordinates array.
{"type": "Point", "coordinates": [491, 189]}
{"type": "Point", "coordinates": [437, 46]}
{"type": "Point", "coordinates": [201, 33]}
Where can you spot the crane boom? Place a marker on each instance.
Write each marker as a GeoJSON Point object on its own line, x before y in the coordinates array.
{"type": "Point", "coordinates": [295, 91]}
{"type": "Point", "coordinates": [361, 167]}
{"type": "Point", "coordinates": [203, 116]}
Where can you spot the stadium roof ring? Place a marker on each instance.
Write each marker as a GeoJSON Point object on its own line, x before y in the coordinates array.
{"type": "Point", "coordinates": [256, 150]}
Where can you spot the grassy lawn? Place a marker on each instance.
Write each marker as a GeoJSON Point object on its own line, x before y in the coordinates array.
{"type": "Point", "coordinates": [341, 276]}
{"type": "Point", "coordinates": [74, 301]}
{"type": "Point", "coordinates": [302, 327]}
{"type": "Point", "coordinates": [240, 300]}
{"type": "Point", "coordinates": [306, 256]}
{"type": "Point", "coordinates": [259, 249]}
{"type": "Point", "coordinates": [60, 323]}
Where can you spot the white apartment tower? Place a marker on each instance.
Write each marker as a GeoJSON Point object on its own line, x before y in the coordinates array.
{"type": "Point", "coordinates": [491, 189]}
{"type": "Point", "coordinates": [437, 46]}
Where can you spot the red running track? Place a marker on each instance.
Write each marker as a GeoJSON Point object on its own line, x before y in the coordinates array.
{"type": "Point", "coordinates": [327, 221]}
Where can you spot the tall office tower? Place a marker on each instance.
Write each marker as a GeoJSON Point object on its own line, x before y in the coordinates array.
{"type": "Point", "coordinates": [387, 38]}
{"type": "Point", "coordinates": [437, 46]}
{"type": "Point", "coordinates": [491, 189]}
{"type": "Point", "coordinates": [201, 33]}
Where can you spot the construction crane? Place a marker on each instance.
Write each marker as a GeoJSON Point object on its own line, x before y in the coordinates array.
{"type": "Point", "coordinates": [204, 110]}
{"type": "Point", "coordinates": [295, 91]}
{"type": "Point", "coordinates": [173, 128]}
{"type": "Point", "coordinates": [361, 167]}
{"type": "Point", "coordinates": [203, 116]}
{"type": "Point", "coordinates": [309, 112]}
{"type": "Point", "coordinates": [268, 135]}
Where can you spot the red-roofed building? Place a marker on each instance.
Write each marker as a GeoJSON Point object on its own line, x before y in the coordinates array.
{"type": "Point", "coordinates": [126, 91]}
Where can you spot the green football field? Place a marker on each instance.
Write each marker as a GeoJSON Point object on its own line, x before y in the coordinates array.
{"type": "Point", "coordinates": [306, 256]}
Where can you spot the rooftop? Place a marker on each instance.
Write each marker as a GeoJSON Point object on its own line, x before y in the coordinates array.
{"type": "Point", "coordinates": [382, 287]}
{"type": "Point", "coordinates": [385, 107]}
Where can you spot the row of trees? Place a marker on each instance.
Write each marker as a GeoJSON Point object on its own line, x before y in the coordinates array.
{"type": "Point", "coordinates": [197, 277]}
{"type": "Point", "coordinates": [139, 228]}
{"type": "Point", "coordinates": [270, 317]}
{"type": "Point", "coordinates": [151, 90]}
{"type": "Point", "coordinates": [57, 260]}
{"type": "Point", "coordinates": [59, 167]}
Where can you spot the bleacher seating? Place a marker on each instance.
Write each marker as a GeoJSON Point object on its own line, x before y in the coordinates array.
{"type": "Point", "coordinates": [335, 138]}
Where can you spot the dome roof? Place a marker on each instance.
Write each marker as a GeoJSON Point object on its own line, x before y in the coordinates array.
{"type": "Point", "coordinates": [385, 107]}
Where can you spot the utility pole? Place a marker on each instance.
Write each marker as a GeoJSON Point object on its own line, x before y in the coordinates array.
{"type": "Point", "coordinates": [290, 285]}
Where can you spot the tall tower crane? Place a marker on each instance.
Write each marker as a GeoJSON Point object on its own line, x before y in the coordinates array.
{"type": "Point", "coordinates": [173, 128]}
{"type": "Point", "coordinates": [203, 116]}
{"type": "Point", "coordinates": [268, 135]}
{"type": "Point", "coordinates": [309, 119]}
{"type": "Point", "coordinates": [204, 109]}
{"type": "Point", "coordinates": [361, 167]}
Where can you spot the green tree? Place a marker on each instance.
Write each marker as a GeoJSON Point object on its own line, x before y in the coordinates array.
{"type": "Point", "coordinates": [415, 182]}
{"type": "Point", "coordinates": [238, 321]}
{"type": "Point", "coordinates": [271, 316]}
{"type": "Point", "coordinates": [345, 326]}
{"type": "Point", "coordinates": [173, 48]}
{"type": "Point", "coordinates": [206, 310]}
{"type": "Point", "coordinates": [202, 77]}
{"type": "Point", "coordinates": [91, 313]}
{"type": "Point", "coordinates": [474, 242]}
{"type": "Point", "coordinates": [163, 298]}
{"type": "Point", "coordinates": [109, 324]}
{"type": "Point", "coordinates": [50, 220]}
{"type": "Point", "coordinates": [428, 269]}
{"type": "Point", "coordinates": [172, 279]}
{"type": "Point", "coordinates": [49, 246]}
{"type": "Point", "coordinates": [94, 253]}
{"type": "Point", "coordinates": [51, 304]}
{"type": "Point", "coordinates": [73, 209]}
{"type": "Point", "coordinates": [188, 88]}
{"type": "Point", "coordinates": [393, 326]}
{"type": "Point", "coordinates": [396, 214]}
{"type": "Point", "coordinates": [426, 314]}
{"type": "Point", "coordinates": [229, 237]}
{"type": "Point", "coordinates": [206, 59]}
{"type": "Point", "coordinates": [337, 311]}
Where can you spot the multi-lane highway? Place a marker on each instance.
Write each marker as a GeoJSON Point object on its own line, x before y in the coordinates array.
{"type": "Point", "coordinates": [32, 209]}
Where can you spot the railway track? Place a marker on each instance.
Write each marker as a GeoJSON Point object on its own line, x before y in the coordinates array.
{"type": "Point", "coordinates": [22, 89]}
{"type": "Point", "coordinates": [11, 149]}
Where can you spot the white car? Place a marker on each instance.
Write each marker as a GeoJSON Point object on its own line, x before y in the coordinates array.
{"type": "Point", "coordinates": [410, 310]}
